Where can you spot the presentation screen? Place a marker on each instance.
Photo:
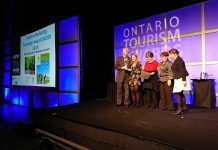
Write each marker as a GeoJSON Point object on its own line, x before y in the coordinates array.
{"type": "Point", "coordinates": [36, 63]}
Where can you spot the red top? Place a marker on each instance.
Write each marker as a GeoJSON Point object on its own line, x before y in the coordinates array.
{"type": "Point", "coordinates": [151, 67]}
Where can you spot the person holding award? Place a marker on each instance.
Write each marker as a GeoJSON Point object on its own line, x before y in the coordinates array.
{"type": "Point", "coordinates": [135, 80]}
{"type": "Point", "coordinates": [122, 65]}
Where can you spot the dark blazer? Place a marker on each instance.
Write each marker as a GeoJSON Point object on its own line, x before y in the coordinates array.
{"type": "Point", "coordinates": [179, 69]}
{"type": "Point", "coordinates": [122, 74]}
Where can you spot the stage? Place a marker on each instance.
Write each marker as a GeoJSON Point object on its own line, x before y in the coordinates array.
{"type": "Point", "coordinates": [130, 128]}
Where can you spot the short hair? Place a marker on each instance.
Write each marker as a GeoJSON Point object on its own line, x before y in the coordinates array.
{"type": "Point", "coordinates": [126, 48]}
{"type": "Point", "coordinates": [164, 54]}
{"type": "Point", "coordinates": [149, 54]}
{"type": "Point", "coordinates": [174, 51]}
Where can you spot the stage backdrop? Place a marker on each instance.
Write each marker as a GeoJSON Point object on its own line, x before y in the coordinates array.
{"type": "Point", "coordinates": [192, 30]}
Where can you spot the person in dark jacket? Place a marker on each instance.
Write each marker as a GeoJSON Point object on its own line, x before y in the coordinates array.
{"type": "Point", "coordinates": [123, 63]}
{"type": "Point", "coordinates": [179, 72]}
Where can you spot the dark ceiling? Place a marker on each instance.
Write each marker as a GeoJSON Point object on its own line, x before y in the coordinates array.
{"type": "Point", "coordinates": [27, 14]}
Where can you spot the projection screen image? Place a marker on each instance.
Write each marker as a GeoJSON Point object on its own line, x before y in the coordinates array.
{"type": "Point", "coordinates": [37, 63]}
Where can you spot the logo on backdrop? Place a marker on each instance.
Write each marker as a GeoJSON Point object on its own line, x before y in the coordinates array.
{"type": "Point", "coordinates": [153, 36]}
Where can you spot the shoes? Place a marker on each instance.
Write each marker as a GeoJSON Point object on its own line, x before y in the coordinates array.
{"type": "Point", "coordinates": [162, 108]}
{"type": "Point", "coordinates": [179, 112]}
{"type": "Point", "coordinates": [137, 105]}
{"type": "Point", "coordinates": [171, 109]}
{"type": "Point", "coordinates": [118, 105]}
{"type": "Point", "coordinates": [133, 105]}
{"type": "Point", "coordinates": [185, 108]}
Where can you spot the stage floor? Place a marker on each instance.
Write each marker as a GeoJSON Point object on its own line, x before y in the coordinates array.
{"type": "Point", "coordinates": [198, 129]}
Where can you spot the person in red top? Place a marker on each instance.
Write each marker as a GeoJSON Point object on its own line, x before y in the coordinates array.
{"type": "Point", "coordinates": [151, 85]}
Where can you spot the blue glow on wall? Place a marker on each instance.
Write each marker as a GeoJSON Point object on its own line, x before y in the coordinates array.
{"type": "Point", "coordinates": [68, 98]}
{"type": "Point", "coordinates": [15, 96]}
{"type": "Point", "coordinates": [7, 46]}
{"type": "Point", "coordinates": [210, 10]}
{"type": "Point", "coordinates": [185, 20]}
{"type": "Point", "coordinates": [184, 47]}
{"type": "Point", "coordinates": [15, 100]}
{"type": "Point", "coordinates": [24, 97]}
{"type": "Point", "coordinates": [123, 31]}
{"type": "Point", "coordinates": [51, 99]}
{"type": "Point", "coordinates": [194, 71]}
{"type": "Point", "coordinates": [7, 78]}
{"type": "Point", "coordinates": [68, 79]}
{"type": "Point", "coordinates": [216, 101]}
{"type": "Point", "coordinates": [211, 46]}
{"type": "Point", "coordinates": [15, 113]}
{"type": "Point", "coordinates": [37, 100]}
{"type": "Point", "coordinates": [68, 54]}
{"type": "Point", "coordinates": [68, 29]}
{"type": "Point", "coordinates": [7, 63]}
{"type": "Point", "coordinates": [6, 94]}
{"type": "Point", "coordinates": [189, 98]}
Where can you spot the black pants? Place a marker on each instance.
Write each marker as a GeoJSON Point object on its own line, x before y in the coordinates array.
{"type": "Point", "coordinates": [123, 91]}
{"type": "Point", "coordinates": [166, 97]}
{"type": "Point", "coordinates": [151, 98]}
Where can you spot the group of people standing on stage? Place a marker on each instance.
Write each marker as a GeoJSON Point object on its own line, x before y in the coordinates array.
{"type": "Point", "coordinates": [157, 87]}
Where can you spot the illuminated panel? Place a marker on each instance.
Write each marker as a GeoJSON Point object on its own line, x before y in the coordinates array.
{"type": "Point", "coordinates": [7, 78]}
{"type": "Point", "coordinates": [194, 71]}
{"type": "Point", "coordinates": [211, 12]}
{"type": "Point", "coordinates": [68, 79]}
{"type": "Point", "coordinates": [7, 94]}
{"type": "Point", "coordinates": [7, 46]}
{"type": "Point", "coordinates": [68, 29]}
{"type": "Point", "coordinates": [189, 99]}
{"type": "Point", "coordinates": [15, 96]}
{"type": "Point", "coordinates": [189, 52]}
{"type": "Point", "coordinates": [216, 101]}
{"type": "Point", "coordinates": [7, 63]}
{"type": "Point", "coordinates": [24, 97]}
{"type": "Point", "coordinates": [68, 98]}
{"type": "Point", "coordinates": [69, 51]}
{"type": "Point", "coordinates": [37, 100]}
{"type": "Point", "coordinates": [184, 20]}
{"type": "Point", "coordinates": [51, 99]}
{"type": "Point", "coordinates": [211, 46]}
{"type": "Point", "coordinates": [123, 34]}
{"type": "Point", "coordinates": [151, 28]}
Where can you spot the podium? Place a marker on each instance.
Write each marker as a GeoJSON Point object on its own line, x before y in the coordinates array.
{"type": "Point", "coordinates": [204, 93]}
